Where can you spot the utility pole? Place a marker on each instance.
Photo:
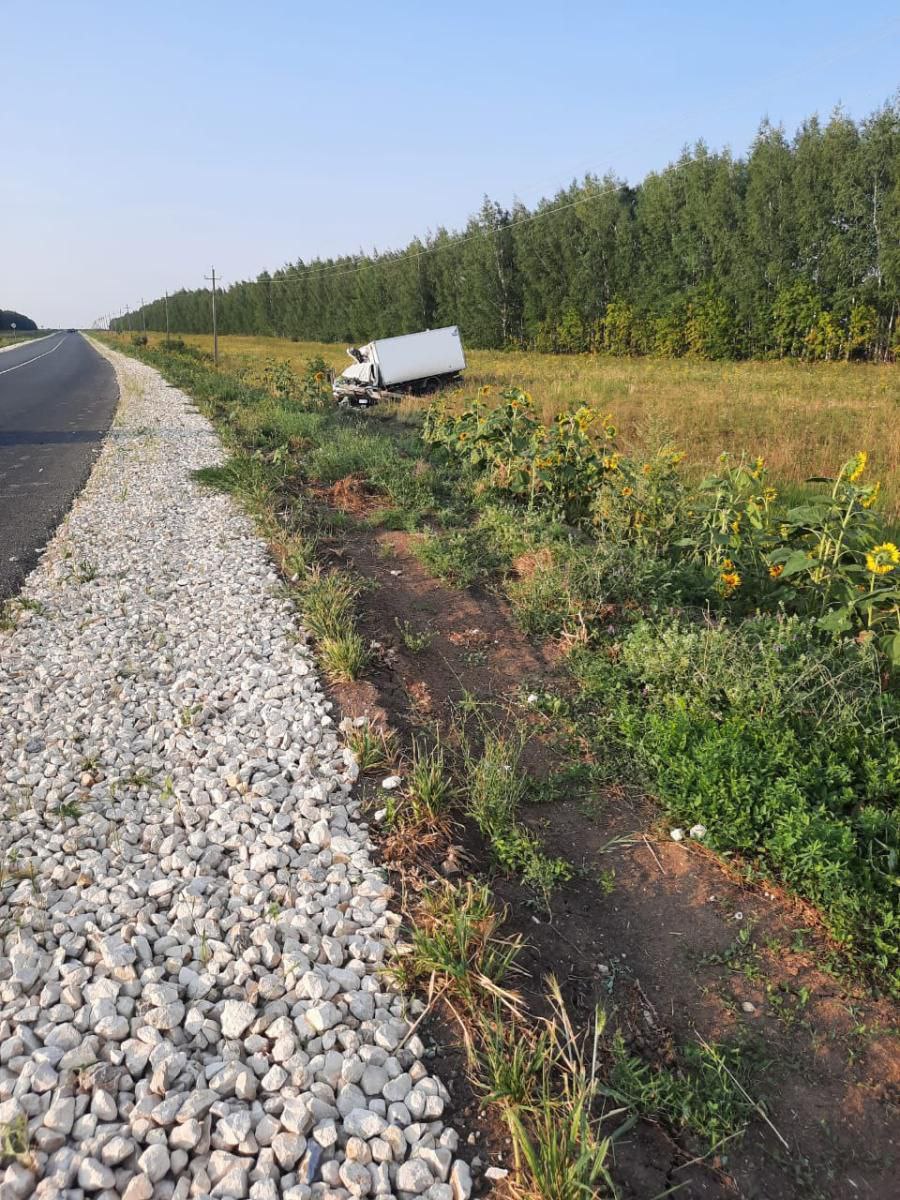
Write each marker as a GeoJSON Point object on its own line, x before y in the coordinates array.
{"type": "Point", "coordinates": [167, 320]}
{"type": "Point", "coordinates": [215, 330]}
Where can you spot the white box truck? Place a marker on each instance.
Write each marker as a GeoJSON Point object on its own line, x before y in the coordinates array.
{"type": "Point", "coordinates": [414, 362]}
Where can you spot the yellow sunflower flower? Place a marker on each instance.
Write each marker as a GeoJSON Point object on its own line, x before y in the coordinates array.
{"type": "Point", "coordinates": [775, 571]}
{"type": "Point", "coordinates": [731, 581]}
{"type": "Point", "coordinates": [859, 465]}
{"type": "Point", "coordinates": [882, 559]}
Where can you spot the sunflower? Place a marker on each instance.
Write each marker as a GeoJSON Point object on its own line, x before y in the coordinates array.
{"type": "Point", "coordinates": [627, 491]}
{"type": "Point", "coordinates": [859, 465]}
{"type": "Point", "coordinates": [731, 581]}
{"type": "Point", "coordinates": [776, 571]}
{"type": "Point", "coordinates": [484, 391]}
{"type": "Point", "coordinates": [869, 500]}
{"type": "Point", "coordinates": [882, 559]}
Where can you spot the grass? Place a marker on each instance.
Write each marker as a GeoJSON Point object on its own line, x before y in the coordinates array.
{"type": "Point", "coordinates": [10, 609]}
{"type": "Point", "coordinates": [327, 603]}
{"type": "Point", "coordinates": [428, 787]}
{"type": "Point", "coordinates": [345, 657]}
{"type": "Point", "coordinates": [415, 640]}
{"type": "Point", "coordinates": [375, 748]}
{"type": "Point", "coordinates": [803, 418]}
{"type": "Point", "coordinates": [705, 1091]}
{"type": "Point", "coordinates": [14, 1141]}
{"type": "Point", "coordinates": [495, 788]}
{"type": "Point", "coordinates": [457, 940]}
{"type": "Point", "coordinates": [13, 339]}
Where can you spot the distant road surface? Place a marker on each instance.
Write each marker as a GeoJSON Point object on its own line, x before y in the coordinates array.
{"type": "Point", "coordinates": [57, 398]}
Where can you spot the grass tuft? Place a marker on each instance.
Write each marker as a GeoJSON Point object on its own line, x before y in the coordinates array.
{"type": "Point", "coordinates": [344, 657]}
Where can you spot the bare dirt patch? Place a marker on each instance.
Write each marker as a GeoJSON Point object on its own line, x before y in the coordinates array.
{"type": "Point", "coordinates": [664, 935]}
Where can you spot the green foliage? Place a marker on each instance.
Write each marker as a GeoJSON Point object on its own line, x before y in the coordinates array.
{"type": "Point", "coordinates": [23, 324]}
{"type": "Point", "coordinates": [375, 748]}
{"type": "Point", "coordinates": [456, 939]}
{"type": "Point", "coordinates": [344, 657]}
{"type": "Point", "coordinates": [495, 788]}
{"type": "Point", "coordinates": [827, 557]}
{"type": "Point", "coordinates": [327, 601]}
{"type": "Point", "coordinates": [557, 466]}
{"type": "Point", "coordinates": [461, 557]}
{"type": "Point", "coordinates": [704, 1092]}
{"type": "Point", "coordinates": [783, 745]}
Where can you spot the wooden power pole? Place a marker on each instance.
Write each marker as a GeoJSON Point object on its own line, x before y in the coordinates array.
{"type": "Point", "coordinates": [215, 330]}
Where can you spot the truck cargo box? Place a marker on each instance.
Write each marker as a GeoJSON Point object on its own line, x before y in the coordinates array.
{"type": "Point", "coordinates": [434, 352]}
{"type": "Point", "coordinates": [412, 362]}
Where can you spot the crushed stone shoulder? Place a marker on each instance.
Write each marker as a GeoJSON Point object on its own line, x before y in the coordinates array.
{"type": "Point", "coordinates": [191, 923]}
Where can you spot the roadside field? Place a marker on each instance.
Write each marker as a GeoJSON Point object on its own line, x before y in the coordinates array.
{"type": "Point", "coordinates": [804, 419]}
{"type": "Point", "coordinates": [641, 736]}
{"type": "Point", "coordinates": [8, 338]}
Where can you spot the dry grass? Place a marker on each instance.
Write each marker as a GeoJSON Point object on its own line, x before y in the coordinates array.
{"type": "Point", "coordinates": [804, 419]}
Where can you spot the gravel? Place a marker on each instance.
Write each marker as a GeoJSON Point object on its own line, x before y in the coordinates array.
{"type": "Point", "coordinates": [191, 924]}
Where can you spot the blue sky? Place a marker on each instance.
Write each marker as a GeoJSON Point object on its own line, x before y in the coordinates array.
{"type": "Point", "coordinates": [143, 143]}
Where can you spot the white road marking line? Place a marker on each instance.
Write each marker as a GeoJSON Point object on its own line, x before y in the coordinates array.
{"type": "Point", "coordinates": [6, 370]}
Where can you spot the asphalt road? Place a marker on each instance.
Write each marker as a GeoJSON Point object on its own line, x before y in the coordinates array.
{"type": "Point", "coordinates": [57, 398]}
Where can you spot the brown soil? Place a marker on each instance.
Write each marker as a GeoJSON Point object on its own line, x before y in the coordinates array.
{"type": "Point", "coordinates": [648, 927]}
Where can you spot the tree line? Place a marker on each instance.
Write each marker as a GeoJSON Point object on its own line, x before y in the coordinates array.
{"type": "Point", "coordinates": [790, 251]}
{"type": "Point", "coordinates": [9, 317]}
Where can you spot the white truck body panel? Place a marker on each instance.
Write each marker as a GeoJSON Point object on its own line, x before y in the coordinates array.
{"type": "Point", "coordinates": [418, 355]}
{"type": "Point", "coordinates": [413, 356]}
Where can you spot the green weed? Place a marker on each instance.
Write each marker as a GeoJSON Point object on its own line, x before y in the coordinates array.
{"type": "Point", "coordinates": [415, 640]}
{"type": "Point", "coordinates": [344, 657]}
{"type": "Point", "coordinates": [375, 748]}
{"type": "Point", "coordinates": [704, 1092]}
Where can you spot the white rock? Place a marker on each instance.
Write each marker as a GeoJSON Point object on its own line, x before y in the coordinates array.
{"type": "Point", "coordinates": [93, 1176]}
{"type": "Point", "coordinates": [414, 1176]}
{"type": "Point", "coordinates": [218, 879]}
{"type": "Point", "coordinates": [461, 1180]}
{"type": "Point", "coordinates": [61, 1114]}
{"type": "Point", "coordinates": [154, 1162]}
{"type": "Point", "coordinates": [18, 1182]}
{"type": "Point", "coordinates": [139, 1187]}
{"type": "Point", "coordinates": [237, 1016]}
{"type": "Point", "coordinates": [363, 1123]}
